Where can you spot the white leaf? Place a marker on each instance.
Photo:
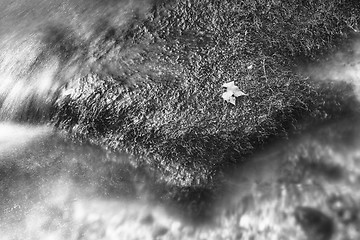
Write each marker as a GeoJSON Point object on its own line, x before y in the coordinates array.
{"type": "Point", "coordinates": [232, 91]}
{"type": "Point", "coordinates": [229, 97]}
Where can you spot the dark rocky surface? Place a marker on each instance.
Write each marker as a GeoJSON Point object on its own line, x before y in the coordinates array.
{"type": "Point", "coordinates": [148, 146]}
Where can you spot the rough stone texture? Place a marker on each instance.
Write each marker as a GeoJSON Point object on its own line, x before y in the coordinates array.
{"type": "Point", "coordinates": [152, 87]}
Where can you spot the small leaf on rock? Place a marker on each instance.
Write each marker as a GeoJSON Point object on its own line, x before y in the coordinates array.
{"type": "Point", "coordinates": [232, 91]}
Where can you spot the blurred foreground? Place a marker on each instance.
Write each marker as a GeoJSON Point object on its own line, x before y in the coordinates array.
{"type": "Point", "coordinates": [55, 189]}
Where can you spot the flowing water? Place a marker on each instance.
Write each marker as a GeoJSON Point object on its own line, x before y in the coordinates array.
{"type": "Point", "coordinates": [55, 188]}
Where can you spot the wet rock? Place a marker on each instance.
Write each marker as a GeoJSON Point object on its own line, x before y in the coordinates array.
{"type": "Point", "coordinates": [159, 231]}
{"type": "Point", "coordinates": [315, 224]}
{"type": "Point", "coordinates": [344, 208]}
{"type": "Point", "coordinates": [147, 219]}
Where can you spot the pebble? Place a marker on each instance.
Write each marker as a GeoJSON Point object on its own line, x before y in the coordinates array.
{"type": "Point", "coordinates": [315, 224]}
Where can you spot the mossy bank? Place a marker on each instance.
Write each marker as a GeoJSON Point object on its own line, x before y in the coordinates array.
{"type": "Point", "coordinates": [152, 86]}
